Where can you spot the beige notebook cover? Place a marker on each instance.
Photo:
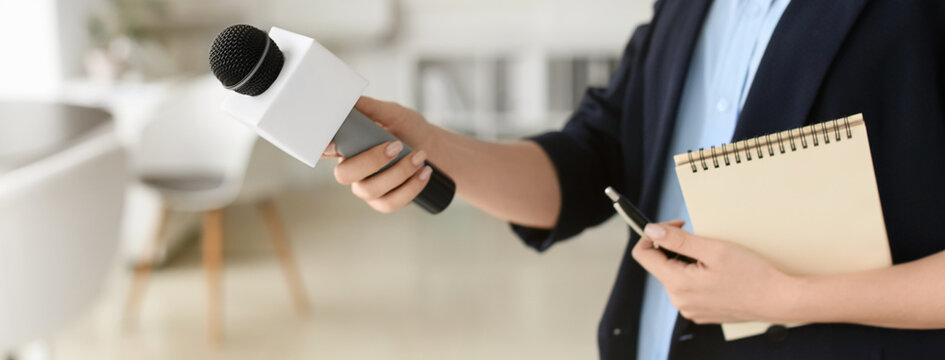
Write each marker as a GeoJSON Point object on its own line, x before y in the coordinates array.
{"type": "Point", "coordinates": [805, 199]}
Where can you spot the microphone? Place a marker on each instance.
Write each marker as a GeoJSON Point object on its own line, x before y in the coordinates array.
{"type": "Point", "coordinates": [299, 96]}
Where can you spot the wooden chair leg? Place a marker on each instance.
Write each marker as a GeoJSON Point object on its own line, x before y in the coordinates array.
{"type": "Point", "coordinates": [142, 272]}
{"type": "Point", "coordinates": [281, 246]}
{"type": "Point", "coordinates": [213, 262]}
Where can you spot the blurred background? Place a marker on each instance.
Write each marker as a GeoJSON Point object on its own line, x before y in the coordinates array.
{"type": "Point", "coordinates": [115, 162]}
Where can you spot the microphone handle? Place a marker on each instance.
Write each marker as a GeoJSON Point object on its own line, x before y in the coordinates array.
{"type": "Point", "coordinates": [358, 133]}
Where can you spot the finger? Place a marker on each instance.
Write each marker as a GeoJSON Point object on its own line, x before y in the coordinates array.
{"type": "Point", "coordinates": [331, 151]}
{"type": "Point", "coordinates": [366, 163]}
{"type": "Point", "coordinates": [381, 183]}
{"type": "Point", "coordinates": [652, 259]}
{"type": "Point", "coordinates": [401, 196]}
{"type": "Point", "coordinates": [682, 242]}
{"type": "Point", "coordinates": [676, 223]}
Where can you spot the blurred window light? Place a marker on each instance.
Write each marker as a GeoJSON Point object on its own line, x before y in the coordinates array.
{"type": "Point", "coordinates": [28, 32]}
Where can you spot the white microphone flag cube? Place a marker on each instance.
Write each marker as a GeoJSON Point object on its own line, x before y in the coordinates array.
{"type": "Point", "coordinates": [303, 109]}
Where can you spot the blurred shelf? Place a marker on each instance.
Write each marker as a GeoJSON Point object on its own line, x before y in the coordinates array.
{"type": "Point", "coordinates": [501, 96]}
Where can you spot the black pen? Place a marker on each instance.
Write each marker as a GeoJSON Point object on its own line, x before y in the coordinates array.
{"type": "Point", "coordinates": [634, 217]}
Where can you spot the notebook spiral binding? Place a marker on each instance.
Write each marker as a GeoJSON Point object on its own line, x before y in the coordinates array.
{"type": "Point", "coordinates": [769, 145]}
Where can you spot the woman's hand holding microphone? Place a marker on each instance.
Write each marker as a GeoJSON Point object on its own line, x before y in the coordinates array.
{"type": "Point", "coordinates": [395, 187]}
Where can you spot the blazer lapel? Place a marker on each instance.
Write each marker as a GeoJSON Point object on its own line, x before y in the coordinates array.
{"type": "Point", "coordinates": [674, 33]}
{"type": "Point", "coordinates": [802, 47]}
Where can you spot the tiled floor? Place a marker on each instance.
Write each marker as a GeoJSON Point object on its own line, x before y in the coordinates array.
{"type": "Point", "coordinates": [403, 286]}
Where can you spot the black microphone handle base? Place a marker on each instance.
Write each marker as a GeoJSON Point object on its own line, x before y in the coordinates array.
{"type": "Point", "coordinates": [437, 193]}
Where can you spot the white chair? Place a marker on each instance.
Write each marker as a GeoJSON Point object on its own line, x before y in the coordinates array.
{"type": "Point", "coordinates": [197, 159]}
{"type": "Point", "coordinates": [59, 223]}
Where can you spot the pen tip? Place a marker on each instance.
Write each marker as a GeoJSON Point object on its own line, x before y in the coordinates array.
{"type": "Point", "coordinates": [611, 193]}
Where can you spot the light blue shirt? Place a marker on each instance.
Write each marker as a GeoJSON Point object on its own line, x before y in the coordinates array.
{"type": "Point", "coordinates": [729, 49]}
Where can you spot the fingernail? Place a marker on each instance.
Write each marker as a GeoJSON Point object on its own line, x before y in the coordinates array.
{"type": "Point", "coordinates": [394, 148]}
{"type": "Point", "coordinates": [425, 173]}
{"type": "Point", "coordinates": [418, 158]}
{"type": "Point", "coordinates": [654, 231]}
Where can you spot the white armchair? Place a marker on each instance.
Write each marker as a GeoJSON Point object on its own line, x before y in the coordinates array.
{"type": "Point", "coordinates": [60, 213]}
{"type": "Point", "coordinates": [197, 159]}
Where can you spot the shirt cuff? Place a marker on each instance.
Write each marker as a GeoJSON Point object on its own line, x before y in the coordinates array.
{"type": "Point", "coordinates": [578, 193]}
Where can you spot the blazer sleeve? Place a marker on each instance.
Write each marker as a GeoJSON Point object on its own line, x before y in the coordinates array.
{"type": "Point", "coordinates": [586, 154]}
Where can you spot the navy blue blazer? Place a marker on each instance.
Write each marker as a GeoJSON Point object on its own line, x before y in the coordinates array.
{"type": "Point", "coordinates": [825, 60]}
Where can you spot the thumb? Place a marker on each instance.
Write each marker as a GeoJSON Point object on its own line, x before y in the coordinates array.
{"type": "Point", "coordinates": [680, 241]}
{"type": "Point", "coordinates": [676, 223]}
{"type": "Point", "coordinates": [382, 112]}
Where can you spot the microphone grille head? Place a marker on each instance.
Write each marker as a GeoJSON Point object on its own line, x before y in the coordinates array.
{"type": "Point", "coordinates": [245, 59]}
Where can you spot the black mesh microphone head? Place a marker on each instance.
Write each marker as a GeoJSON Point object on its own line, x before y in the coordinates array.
{"type": "Point", "coordinates": [245, 59]}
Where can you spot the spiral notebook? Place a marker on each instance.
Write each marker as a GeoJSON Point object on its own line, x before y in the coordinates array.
{"type": "Point", "coordinates": [805, 199]}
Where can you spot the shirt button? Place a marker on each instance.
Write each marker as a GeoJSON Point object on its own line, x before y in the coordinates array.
{"type": "Point", "coordinates": [722, 105]}
{"type": "Point", "coordinates": [616, 331]}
